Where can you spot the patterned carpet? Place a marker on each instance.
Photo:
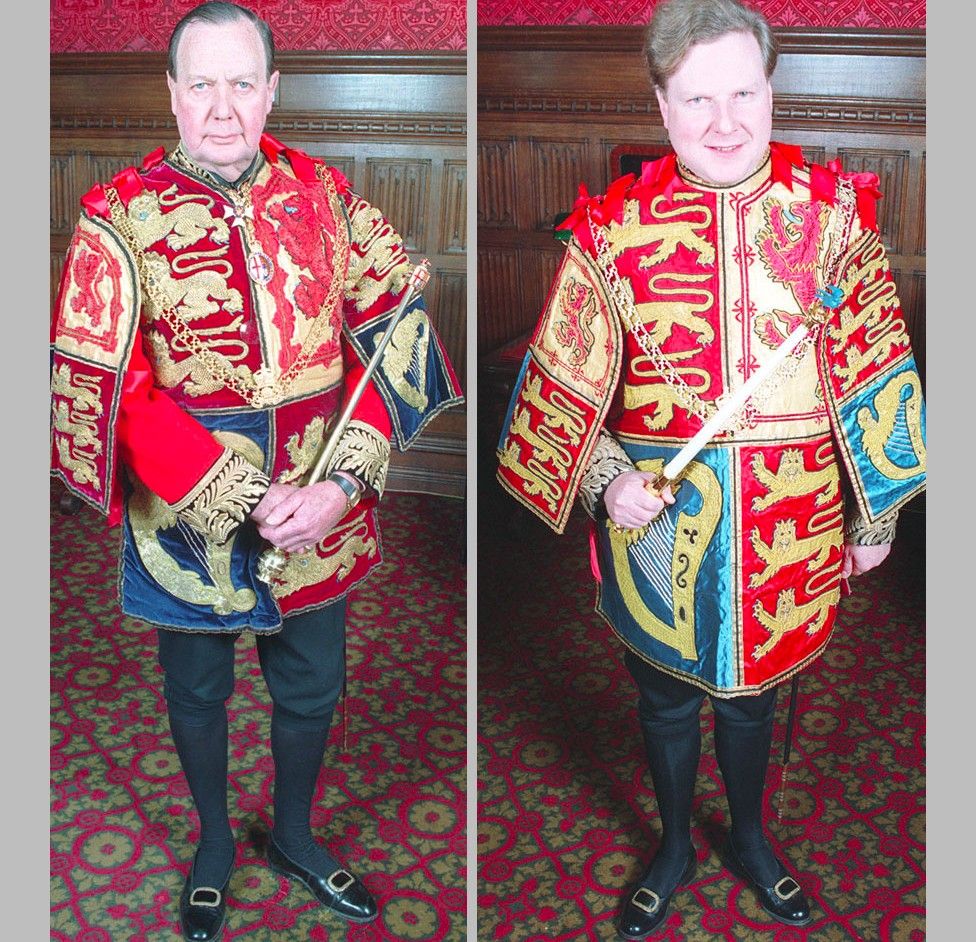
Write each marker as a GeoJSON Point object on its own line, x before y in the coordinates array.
{"type": "Point", "coordinates": [391, 803]}
{"type": "Point", "coordinates": [567, 819]}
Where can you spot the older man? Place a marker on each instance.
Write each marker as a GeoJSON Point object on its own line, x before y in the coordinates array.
{"type": "Point", "coordinates": [215, 305]}
{"type": "Point", "coordinates": [678, 288]}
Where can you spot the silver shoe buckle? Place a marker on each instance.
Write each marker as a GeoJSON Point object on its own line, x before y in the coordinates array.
{"type": "Point", "coordinates": [340, 880]}
{"type": "Point", "coordinates": [648, 908]}
{"type": "Point", "coordinates": [787, 881]}
{"type": "Point", "coordinates": [211, 897]}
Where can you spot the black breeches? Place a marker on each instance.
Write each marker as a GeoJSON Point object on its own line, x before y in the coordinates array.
{"type": "Point", "coordinates": [303, 666]}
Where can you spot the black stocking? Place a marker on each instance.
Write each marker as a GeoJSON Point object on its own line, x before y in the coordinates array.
{"type": "Point", "coordinates": [298, 758]}
{"type": "Point", "coordinates": [743, 736]}
{"type": "Point", "coordinates": [203, 755]}
{"type": "Point", "coordinates": [668, 712]}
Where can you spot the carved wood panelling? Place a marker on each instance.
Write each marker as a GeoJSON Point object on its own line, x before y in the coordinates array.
{"type": "Point", "coordinates": [499, 294]}
{"type": "Point", "coordinates": [496, 183]}
{"type": "Point", "coordinates": [64, 201]}
{"type": "Point", "coordinates": [448, 305]}
{"type": "Point", "coordinates": [454, 208]}
{"type": "Point", "coordinates": [401, 186]}
{"type": "Point", "coordinates": [556, 172]}
{"type": "Point", "coordinates": [547, 261]}
{"type": "Point", "coordinates": [892, 170]}
{"type": "Point", "coordinates": [911, 294]}
{"type": "Point", "coordinates": [920, 236]}
{"type": "Point", "coordinates": [57, 266]}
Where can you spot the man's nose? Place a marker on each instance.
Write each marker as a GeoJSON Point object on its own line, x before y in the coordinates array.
{"type": "Point", "coordinates": [221, 106]}
{"type": "Point", "coordinates": [723, 118]}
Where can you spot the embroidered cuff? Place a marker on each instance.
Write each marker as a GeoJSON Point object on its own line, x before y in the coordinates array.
{"type": "Point", "coordinates": [223, 498]}
{"type": "Point", "coordinates": [858, 531]}
{"type": "Point", "coordinates": [607, 461]}
{"type": "Point", "coordinates": [365, 453]}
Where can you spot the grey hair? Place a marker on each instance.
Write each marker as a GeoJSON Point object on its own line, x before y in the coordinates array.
{"type": "Point", "coordinates": [218, 11]}
{"type": "Point", "coordinates": [677, 25]}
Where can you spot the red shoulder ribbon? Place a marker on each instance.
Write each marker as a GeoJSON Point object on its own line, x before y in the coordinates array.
{"type": "Point", "coordinates": [271, 147]}
{"type": "Point", "coordinates": [603, 208]}
{"type": "Point", "coordinates": [823, 184]}
{"type": "Point", "coordinates": [784, 158]}
{"type": "Point", "coordinates": [127, 183]}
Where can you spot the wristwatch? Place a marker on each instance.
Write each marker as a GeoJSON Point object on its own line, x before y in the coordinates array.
{"type": "Point", "coordinates": [352, 492]}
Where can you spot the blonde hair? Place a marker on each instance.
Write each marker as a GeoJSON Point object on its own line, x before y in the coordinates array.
{"type": "Point", "coordinates": [677, 25]}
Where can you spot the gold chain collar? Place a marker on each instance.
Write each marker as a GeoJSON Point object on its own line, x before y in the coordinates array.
{"type": "Point", "coordinates": [257, 389]}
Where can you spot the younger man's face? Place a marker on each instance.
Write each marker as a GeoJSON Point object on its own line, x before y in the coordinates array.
{"type": "Point", "coordinates": [718, 109]}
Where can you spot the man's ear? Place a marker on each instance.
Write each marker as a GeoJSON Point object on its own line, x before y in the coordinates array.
{"type": "Point", "coordinates": [272, 88]}
{"type": "Point", "coordinates": [662, 103]}
{"type": "Point", "coordinates": [171, 84]}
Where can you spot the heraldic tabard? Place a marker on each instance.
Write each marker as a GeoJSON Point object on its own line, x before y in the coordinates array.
{"type": "Point", "coordinates": [203, 337]}
{"type": "Point", "coordinates": [671, 294]}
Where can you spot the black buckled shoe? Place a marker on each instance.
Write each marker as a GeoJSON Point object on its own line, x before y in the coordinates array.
{"type": "Point", "coordinates": [645, 909]}
{"type": "Point", "coordinates": [339, 891]}
{"type": "Point", "coordinates": [202, 910]}
{"type": "Point", "coordinates": [784, 900]}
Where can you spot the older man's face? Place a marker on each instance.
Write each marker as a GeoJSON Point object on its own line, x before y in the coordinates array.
{"type": "Point", "coordinates": [718, 109]}
{"type": "Point", "coordinates": [221, 95]}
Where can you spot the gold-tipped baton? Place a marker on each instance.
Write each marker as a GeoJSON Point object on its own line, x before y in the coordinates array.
{"type": "Point", "coordinates": [272, 561]}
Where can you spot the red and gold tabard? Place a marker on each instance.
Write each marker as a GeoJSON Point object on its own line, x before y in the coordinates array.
{"type": "Point", "coordinates": [671, 295]}
{"type": "Point", "coordinates": [204, 336]}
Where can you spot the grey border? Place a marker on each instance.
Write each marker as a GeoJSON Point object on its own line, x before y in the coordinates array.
{"type": "Point", "coordinates": [471, 398]}
{"type": "Point", "coordinates": [951, 346]}
{"type": "Point", "coordinates": [26, 468]}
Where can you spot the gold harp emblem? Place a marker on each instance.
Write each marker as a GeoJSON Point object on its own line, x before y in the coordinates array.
{"type": "Point", "coordinates": [406, 358]}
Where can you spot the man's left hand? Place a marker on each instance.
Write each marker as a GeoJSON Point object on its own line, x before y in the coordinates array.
{"type": "Point", "coordinates": [304, 517]}
{"type": "Point", "coordinates": [859, 559]}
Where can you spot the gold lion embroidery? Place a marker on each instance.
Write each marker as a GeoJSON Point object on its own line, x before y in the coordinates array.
{"type": "Point", "coordinates": [666, 314]}
{"type": "Point", "coordinates": [379, 250]}
{"type": "Point", "coordinates": [559, 411]}
{"type": "Point", "coordinates": [791, 479]}
{"type": "Point", "coordinates": [788, 617]}
{"type": "Point", "coordinates": [879, 431]}
{"type": "Point", "coordinates": [786, 548]}
{"type": "Point", "coordinates": [537, 480]}
{"type": "Point", "coordinates": [197, 380]}
{"type": "Point", "coordinates": [303, 448]}
{"type": "Point", "coordinates": [641, 395]}
{"type": "Point", "coordinates": [335, 555]}
{"type": "Point", "coordinates": [186, 223]}
{"type": "Point", "coordinates": [197, 295]}
{"type": "Point", "coordinates": [75, 420]}
{"type": "Point", "coordinates": [884, 330]}
{"type": "Point", "coordinates": [680, 225]}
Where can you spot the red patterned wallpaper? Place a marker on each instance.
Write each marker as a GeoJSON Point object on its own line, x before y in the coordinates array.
{"type": "Point", "coordinates": [855, 14]}
{"type": "Point", "coordinates": [310, 25]}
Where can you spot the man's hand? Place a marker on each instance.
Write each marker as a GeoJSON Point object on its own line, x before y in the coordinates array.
{"type": "Point", "coordinates": [630, 504]}
{"type": "Point", "coordinates": [858, 559]}
{"type": "Point", "coordinates": [273, 496]}
{"type": "Point", "coordinates": [296, 521]}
